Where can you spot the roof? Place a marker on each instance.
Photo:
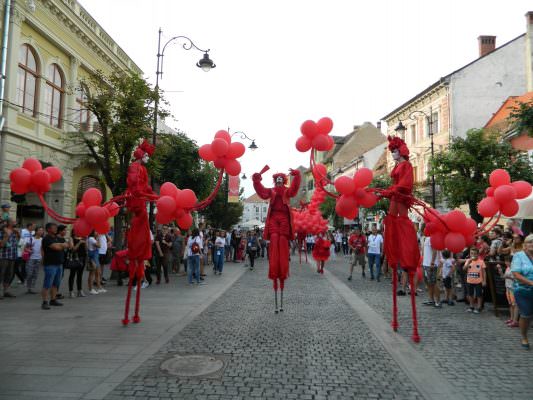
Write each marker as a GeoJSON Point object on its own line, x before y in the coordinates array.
{"type": "Point", "coordinates": [444, 80]}
{"type": "Point", "coordinates": [254, 198]}
{"type": "Point", "coordinates": [500, 117]}
{"type": "Point", "coordinates": [361, 140]}
{"type": "Point", "coordinates": [381, 164]}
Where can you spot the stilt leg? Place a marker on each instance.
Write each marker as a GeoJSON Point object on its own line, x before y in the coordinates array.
{"type": "Point", "coordinates": [415, 336]}
{"type": "Point", "coordinates": [136, 317]}
{"type": "Point", "coordinates": [275, 283]}
{"type": "Point", "coordinates": [126, 320]}
{"type": "Point", "coordinates": [281, 301]}
{"type": "Point", "coordinates": [394, 298]}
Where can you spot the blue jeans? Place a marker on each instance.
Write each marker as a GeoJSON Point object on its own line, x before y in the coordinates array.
{"type": "Point", "coordinates": [194, 267]}
{"type": "Point", "coordinates": [218, 258]}
{"type": "Point", "coordinates": [374, 258]}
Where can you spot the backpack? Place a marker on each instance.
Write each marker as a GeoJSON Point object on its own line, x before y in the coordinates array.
{"type": "Point", "coordinates": [195, 247]}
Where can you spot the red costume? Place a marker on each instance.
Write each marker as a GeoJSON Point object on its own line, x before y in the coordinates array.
{"type": "Point", "coordinates": [278, 225]}
{"type": "Point", "coordinates": [400, 240]}
{"type": "Point", "coordinates": [321, 249]}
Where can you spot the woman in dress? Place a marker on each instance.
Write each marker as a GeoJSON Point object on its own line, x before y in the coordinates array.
{"type": "Point", "coordinates": [321, 251]}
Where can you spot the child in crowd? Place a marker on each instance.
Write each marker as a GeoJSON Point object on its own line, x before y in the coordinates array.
{"type": "Point", "coordinates": [448, 269]}
{"type": "Point", "coordinates": [475, 280]}
{"type": "Point", "coordinates": [512, 322]}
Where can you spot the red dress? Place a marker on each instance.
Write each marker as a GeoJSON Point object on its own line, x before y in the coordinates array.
{"type": "Point", "coordinates": [321, 249]}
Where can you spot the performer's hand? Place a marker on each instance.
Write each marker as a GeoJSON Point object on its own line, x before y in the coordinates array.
{"type": "Point", "coordinates": [257, 177]}
{"type": "Point", "coordinates": [294, 172]}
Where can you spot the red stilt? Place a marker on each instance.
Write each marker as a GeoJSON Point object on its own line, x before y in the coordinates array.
{"type": "Point", "coordinates": [415, 336]}
{"type": "Point", "coordinates": [126, 320]}
{"type": "Point", "coordinates": [140, 275]}
{"type": "Point", "coordinates": [394, 298]}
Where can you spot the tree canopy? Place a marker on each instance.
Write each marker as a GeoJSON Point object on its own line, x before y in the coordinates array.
{"type": "Point", "coordinates": [221, 213]}
{"type": "Point", "coordinates": [522, 117]}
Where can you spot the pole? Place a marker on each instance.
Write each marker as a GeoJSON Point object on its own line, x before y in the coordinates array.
{"type": "Point", "coordinates": [433, 200]}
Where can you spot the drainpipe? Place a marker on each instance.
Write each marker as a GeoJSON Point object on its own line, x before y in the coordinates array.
{"type": "Point", "coordinates": [3, 67]}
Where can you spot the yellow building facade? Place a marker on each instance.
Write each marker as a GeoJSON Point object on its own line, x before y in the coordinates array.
{"type": "Point", "coordinates": [50, 48]}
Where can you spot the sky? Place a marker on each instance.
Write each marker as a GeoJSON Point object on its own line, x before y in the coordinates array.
{"type": "Point", "coordinates": [281, 62]}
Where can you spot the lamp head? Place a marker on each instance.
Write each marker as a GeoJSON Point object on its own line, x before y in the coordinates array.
{"type": "Point", "coordinates": [206, 63]}
{"type": "Point", "coordinates": [400, 129]}
{"type": "Point", "coordinates": [253, 146]}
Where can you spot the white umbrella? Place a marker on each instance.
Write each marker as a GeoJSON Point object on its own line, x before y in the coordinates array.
{"type": "Point", "coordinates": [525, 209]}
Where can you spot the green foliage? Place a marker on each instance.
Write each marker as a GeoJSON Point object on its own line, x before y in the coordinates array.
{"type": "Point", "coordinates": [463, 171]}
{"type": "Point", "coordinates": [522, 117]}
{"type": "Point", "coordinates": [382, 206]}
{"type": "Point", "coordinates": [122, 103]}
{"type": "Point", "coordinates": [220, 213]}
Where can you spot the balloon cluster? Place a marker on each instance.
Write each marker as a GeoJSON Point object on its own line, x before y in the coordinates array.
{"type": "Point", "coordinates": [91, 215]}
{"type": "Point", "coordinates": [315, 135]}
{"type": "Point", "coordinates": [310, 220]}
{"type": "Point", "coordinates": [502, 195]}
{"type": "Point", "coordinates": [452, 231]}
{"type": "Point", "coordinates": [223, 153]}
{"type": "Point", "coordinates": [174, 204]}
{"type": "Point", "coordinates": [354, 194]}
{"type": "Point", "coordinates": [33, 178]}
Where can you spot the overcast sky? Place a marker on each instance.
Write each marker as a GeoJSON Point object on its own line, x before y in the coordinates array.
{"type": "Point", "coordinates": [280, 62]}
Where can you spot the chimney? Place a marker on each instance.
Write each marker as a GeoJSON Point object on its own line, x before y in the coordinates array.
{"type": "Point", "coordinates": [486, 44]}
{"type": "Point", "coordinates": [529, 50]}
{"type": "Point", "coordinates": [378, 125]}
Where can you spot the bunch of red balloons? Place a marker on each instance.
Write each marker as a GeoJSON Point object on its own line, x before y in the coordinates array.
{"type": "Point", "coordinates": [315, 135]}
{"type": "Point", "coordinates": [33, 178]}
{"type": "Point", "coordinates": [92, 215]}
{"type": "Point", "coordinates": [452, 231]}
{"type": "Point", "coordinates": [502, 195]}
{"type": "Point", "coordinates": [354, 193]}
{"type": "Point", "coordinates": [175, 204]}
{"type": "Point", "coordinates": [223, 153]}
{"type": "Point", "coordinates": [310, 220]}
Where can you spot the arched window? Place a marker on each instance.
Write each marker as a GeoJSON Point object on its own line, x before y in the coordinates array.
{"type": "Point", "coordinates": [28, 73]}
{"type": "Point", "coordinates": [53, 101]}
{"type": "Point", "coordinates": [87, 182]}
{"type": "Point", "coordinates": [84, 115]}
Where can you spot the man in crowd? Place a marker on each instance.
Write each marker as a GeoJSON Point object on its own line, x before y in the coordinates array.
{"type": "Point", "coordinates": [357, 243]}
{"type": "Point", "coordinates": [375, 251]}
{"type": "Point", "coordinates": [53, 248]}
{"type": "Point", "coordinates": [8, 255]}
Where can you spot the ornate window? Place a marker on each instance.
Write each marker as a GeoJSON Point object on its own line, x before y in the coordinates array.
{"type": "Point", "coordinates": [84, 115]}
{"type": "Point", "coordinates": [55, 92]}
{"type": "Point", "coordinates": [28, 75]}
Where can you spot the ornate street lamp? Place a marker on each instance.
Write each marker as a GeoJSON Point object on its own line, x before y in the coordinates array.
{"type": "Point", "coordinates": [243, 135]}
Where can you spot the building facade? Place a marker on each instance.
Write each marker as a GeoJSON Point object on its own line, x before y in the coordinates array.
{"type": "Point", "coordinates": [50, 48]}
{"type": "Point", "coordinates": [255, 210]}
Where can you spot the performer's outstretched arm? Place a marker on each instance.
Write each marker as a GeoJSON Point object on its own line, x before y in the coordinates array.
{"type": "Point", "coordinates": [295, 184]}
{"type": "Point", "coordinates": [261, 191]}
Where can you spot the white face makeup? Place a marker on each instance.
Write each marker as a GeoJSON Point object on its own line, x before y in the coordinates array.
{"type": "Point", "coordinates": [279, 181]}
{"type": "Point", "coordinates": [396, 154]}
{"type": "Point", "coordinates": [146, 158]}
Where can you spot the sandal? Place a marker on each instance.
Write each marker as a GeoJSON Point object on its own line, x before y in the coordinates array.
{"type": "Point", "coordinates": [525, 346]}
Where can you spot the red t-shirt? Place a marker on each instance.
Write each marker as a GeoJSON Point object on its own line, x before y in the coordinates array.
{"type": "Point", "coordinates": [358, 242]}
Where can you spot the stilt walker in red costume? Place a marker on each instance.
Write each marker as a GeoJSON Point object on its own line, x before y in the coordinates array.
{"type": "Point", "coordinates": [400, 241]}
{"type": "Point", "coordinates": [139, 241]}
{"type": "Point", "coordinates": [278, 226]}
{"type": "Point", "coordinates": [321, 252]}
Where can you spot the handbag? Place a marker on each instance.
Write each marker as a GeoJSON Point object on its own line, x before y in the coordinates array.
{"type": "Point", "coordinates": [26, 254]}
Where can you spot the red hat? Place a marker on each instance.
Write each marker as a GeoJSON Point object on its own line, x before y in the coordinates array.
{"type": "Point", "coordinates": [144, 148]}
{"type": "Point", "coordinates": [275, 176]}
{"type": "Point", "coordinates": [396, 143]}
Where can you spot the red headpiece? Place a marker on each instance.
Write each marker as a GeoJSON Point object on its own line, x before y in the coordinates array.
{"type": "Point", "coordinates": [397, 143]}
{"type": "Point", "coordinates": [144, 148]}
{"type": "Point", "coordinates": [275, 176]}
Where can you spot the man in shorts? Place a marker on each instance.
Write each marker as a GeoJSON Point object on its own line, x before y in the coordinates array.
{"type": "Point", "coordinates": [430, 260]}
{"type": "Point", "coordinates": [357, 244]}
{"type": "Point", "coordinates": [53, 249]}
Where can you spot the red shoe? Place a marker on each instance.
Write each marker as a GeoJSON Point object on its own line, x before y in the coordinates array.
{"type": "Point", "coordinates": [513, 325]}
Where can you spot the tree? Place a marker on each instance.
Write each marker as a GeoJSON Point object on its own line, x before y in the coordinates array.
{"type": "Point", "coordinates": [521, 117]}
{"type": "Point", "coordinates": [382, 206]}
{"type": "Point", "coordinates": [327, 208]}
{"type": "Point", "coordinates": [220, 213]}
{"type": "Point", "coordinates": [463, 171]}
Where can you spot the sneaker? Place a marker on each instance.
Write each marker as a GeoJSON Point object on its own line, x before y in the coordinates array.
{"type": "Point", "coordinates": [438, 305]}
{"type": "Point", "coordinates": [469, 309]}
{"type": "Point", "coordinates": [400, 293]}
{"type": "Point", "coordinates": [81, 294]}
{"type": "Point", "coordinates": [71, 295]}
{"type": "Point", "coordinates": [101, 290]}
{"type": "Point", "coordinates": [202, 283]}
{"type": "Point", "coordinates": [476, 311]}
{"type": "Point", "coordinates": [144, 285]}
{"type": "Point", "coordinates": [55, 303]}
{"type": "Point", "coordinates": [59, 296]}
{"type": "Point", "coordinates": [45, 306]}
{"type": "Point", "coordinates": [451, 303]}
{"type": "Point", "coordinates": [428, 303]}
{"type": "Point", "coordinates": [350, 278]}
{"type": "Point", "coordinates": [93, 291]}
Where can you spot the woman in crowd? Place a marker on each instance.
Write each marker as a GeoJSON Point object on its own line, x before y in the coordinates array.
{"type": "Point", "coordinates": [93, 263]}
{"type": "Point", "coordinates": [522, 269]}
{"type": "Point", "coordinates": [321, 251]}
{"type": "Point", "coordinates": [194, 251]}
{"type": "Point", "coordinates": [218, 252]}
{"type": "Point", "coordinates": [252, 244]}
{"type": "Point", "coordinates": [78, 256]}
{"type": "Point", "coordinates": [34, 263]}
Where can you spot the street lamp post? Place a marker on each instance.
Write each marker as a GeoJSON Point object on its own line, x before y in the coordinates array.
{"type": "Point", "coordinates": [243, 136]}
{"type": "Point", "coordinates": [400, 129]}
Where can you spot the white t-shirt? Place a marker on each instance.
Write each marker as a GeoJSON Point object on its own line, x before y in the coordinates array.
{"type": "Point", "coordinates": [374, 243]}
{"type": "Point", "coordinates": [36, 245]}
{"type": "Point", "coordinates": [91, 244]}
{"type": "Point", "coordinates": [103, 244]}
{"type": "Point", "coordinates": [25, 234]}
{"type": "Point", "coordinates": [191, 240]}
{"type": "Point", "coordinates": [220, 241]}
{"type": "Point", "coordinates": [447, 264]}
{"type": "Point", "coordinates": [428, 253]}
{"type": "Point", "coordinates": [338, 237]}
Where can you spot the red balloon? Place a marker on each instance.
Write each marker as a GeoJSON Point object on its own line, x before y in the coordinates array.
{"type": "Point", "coordinates": [309, 129]}
{"type": "Point", "coordinates": [19, 189]}
{"type": "Point", "coordinates": [510, 208]}
{"type": "Point", "coordinates": [331, 142]}
{"type": "Point", "coordinates": [346, 207]}
{"type": "Point", "coordinates": [455, 242]}
{"type": "Point", "coordinates": [41, 180]}
{"type": "Point", "coordinates": [437, 241]}
{"type": "Point", "coordinates": [470, 240]}
{"type": "Point", "coordinates": [236, 150]}
{"type": "Point", "coordinates": [180, 212]}
{"type": "Point", "coordinates": [303, 144]}
{"type": "Point", "coordinates": [220, 162]}
{"type": "Point", "coordinates": [488, 207]}
{"type": "Point", "coordinates": [469, 227]}
{"type": "Point", "coordinates": [102, 228]}
{"type": "Point", "coordinates": [168, 189]}
{"type": "Point", "coordinates": [162, 218]}
{"type": "Point", "coordinates": [320, 143]}
{"type": "Point", "coordinates": [325, 125]}
{"type": "Point", "coordinates": [430, 229]}
{"type": "Point", "coordinates": [185, 222]}
{"type": "Point", "coordinates": [32, 165]}
{"type": "Point", "coordinates": [80, 210]}
{"type": "Point", "coordinates": [222, 134]}
{"type": "Point", "coordinates": [504, 194]}
{"type": "Point", "coordinates": [233, 167]}
{"type": "Point", "coordinates": [92, 197]}
{"type": "Point", "coordinates": [55, 174]}
{"type": "Point", "coordinates": [359, 193]}
{"type": "Point", "coordinates": [20, 176]}
{"type": "Point", "coordinates": [455, 220]}
{"type": "Point", "coordinates": [113, 208]}
{"type": "Point", "coordinates": [82, 227]}
{"type": "Point", "coordinates": [220, 147]}
{"type": "Point", "coordinates": [344, 185]}
{"type": "Point", "coordinates": [319, 171]}
{"type": "Point", "coordinates": [206, 153]}
{"type": "Point", "coordinates": [166, 205]}
{"type": "Point", "coordinates": [363, 177]}
{"type": "Point", "coordinates": [369, 200]}
{"type": "Point", "coordinates": [186, 199]}
{"type": "Point", "coordinates": [489, 191]}
{"type": "Point", "coordinates": [499, 177]}
{"type": "Point", "coordinates": [523, 189]}
{"type": "Point", "coordinates": [96, 215]}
